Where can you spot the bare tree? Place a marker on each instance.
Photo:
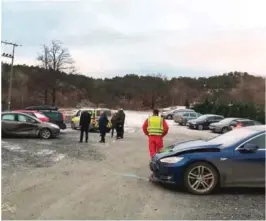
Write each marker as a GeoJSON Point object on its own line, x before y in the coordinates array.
{"type": "Point", "coordinates": [56, 57]}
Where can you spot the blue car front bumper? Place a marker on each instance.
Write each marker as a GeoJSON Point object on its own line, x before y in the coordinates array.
{"type": "Point", "coordinates": [167, 173]}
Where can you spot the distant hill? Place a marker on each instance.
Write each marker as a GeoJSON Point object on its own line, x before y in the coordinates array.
{"type": "Point", "coordinates": [131, 91]}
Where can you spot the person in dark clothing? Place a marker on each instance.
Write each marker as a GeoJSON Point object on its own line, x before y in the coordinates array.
{"type": "Point", "coordinates": [113, 121]}
{"type": "Point", "coordinates": [120, 122]}
{"type": "Point", "coordinates": [84, 124]}
{"type": "Point", "coordinates": [103, 121]}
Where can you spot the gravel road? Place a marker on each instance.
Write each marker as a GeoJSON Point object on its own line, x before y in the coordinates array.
{"type": "Point", "coordinates": [63, 179]}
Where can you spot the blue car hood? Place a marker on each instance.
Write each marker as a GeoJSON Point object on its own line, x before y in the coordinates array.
{"type": "Point", "coordinates": [193, 145]}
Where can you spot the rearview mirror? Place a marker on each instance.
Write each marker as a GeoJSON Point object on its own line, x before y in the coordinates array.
{"type": "Point", "coordinates": [249, 148]}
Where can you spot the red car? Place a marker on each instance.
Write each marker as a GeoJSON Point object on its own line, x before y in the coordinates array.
{"type": "Point", "coordinates": [36, 114]}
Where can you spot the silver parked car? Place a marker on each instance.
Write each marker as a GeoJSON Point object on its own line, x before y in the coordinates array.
{"type": "Point", "coordinates": [183, 117]}
{"type": "Point", "coordinates": [23, 125]}
{"type": "Point", "coordinates": [170, 114]}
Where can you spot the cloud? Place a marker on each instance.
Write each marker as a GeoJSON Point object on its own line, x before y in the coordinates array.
{"type": "Point", "coordinates": [174, 37]}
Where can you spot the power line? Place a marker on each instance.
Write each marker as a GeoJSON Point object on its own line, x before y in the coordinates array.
{"type": "Point", "coordinates": [12, 56]}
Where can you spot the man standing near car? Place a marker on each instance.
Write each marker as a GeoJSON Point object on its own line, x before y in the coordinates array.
{"type": "Point", "coordinates": [84, 124]}
{"type": "Point", "coordinates": [120, 122]}
{"type": "Point", "coordinates": [155, 127]}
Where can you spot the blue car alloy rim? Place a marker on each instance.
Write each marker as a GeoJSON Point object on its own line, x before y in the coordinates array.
{"type": "Point", "coordinates": [201, 179]}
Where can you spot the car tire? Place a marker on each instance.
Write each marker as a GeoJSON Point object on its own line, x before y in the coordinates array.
{"type": "Point", "coordinates": [200, 127]}
{"type": "Point", "coordinates": [45, 133]}
{"type": "Point", "coordinates": [194, 180]}
{"type": "Point", "coordinates": [169, 117]}
{"type": "Point", "coordinates": [224, 130]}
{"type": "Point", "coordinates": [73, 126]}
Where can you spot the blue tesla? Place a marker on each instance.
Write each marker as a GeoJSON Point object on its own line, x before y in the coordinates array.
{"type": "Point", "coordinates": [234, 159]}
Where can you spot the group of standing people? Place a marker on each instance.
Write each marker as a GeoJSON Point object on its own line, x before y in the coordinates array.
{"type": "Point", "coordinates": [118, 122]}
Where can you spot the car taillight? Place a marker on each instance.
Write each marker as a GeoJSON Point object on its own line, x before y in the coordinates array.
{"type": "Point", "coordinates": [64, 116]}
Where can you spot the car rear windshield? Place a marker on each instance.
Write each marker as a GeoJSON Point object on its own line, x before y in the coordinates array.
{"type": "Point", "coordinates": [232, 137]}
{"type": "Point", "coordinates": [57, 116]}
{"type": "Point", "coordinates": [202, 117]}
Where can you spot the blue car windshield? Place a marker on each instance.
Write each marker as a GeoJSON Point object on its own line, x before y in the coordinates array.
{"type": "Point", "coordinates": [232, 137]}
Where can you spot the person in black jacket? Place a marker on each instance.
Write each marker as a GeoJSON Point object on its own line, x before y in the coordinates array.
{"type": "Point", "coordinates": [103, 121]}
{"type": "Point", "coordinates": [120, 122]}
{"type": "Point", "coordinates": [84, 124]}
{"type": "Point", "coordinates": [113, 121]}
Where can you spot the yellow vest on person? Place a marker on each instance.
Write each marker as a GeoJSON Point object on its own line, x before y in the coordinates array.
{"type": "Point", "coordinates": [155, 125]}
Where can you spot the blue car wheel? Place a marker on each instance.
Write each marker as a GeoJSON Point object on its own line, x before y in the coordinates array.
{"type": "Point", "coordinates": [201, 178]}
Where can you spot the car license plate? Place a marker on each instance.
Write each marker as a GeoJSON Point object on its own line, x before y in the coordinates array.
{"type": "Point", "coordinates": [194, 126]}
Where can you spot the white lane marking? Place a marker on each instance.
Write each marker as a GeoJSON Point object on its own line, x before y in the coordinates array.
{"type": "Point", "coordinates": [131, 175]}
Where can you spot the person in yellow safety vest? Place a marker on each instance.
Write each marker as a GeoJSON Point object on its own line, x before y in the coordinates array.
{"type": "Point", "coordinates": [155, 127]}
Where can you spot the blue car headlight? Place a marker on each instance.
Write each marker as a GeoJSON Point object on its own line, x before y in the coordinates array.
{"type": "Point", "coordinates": [171, 159]}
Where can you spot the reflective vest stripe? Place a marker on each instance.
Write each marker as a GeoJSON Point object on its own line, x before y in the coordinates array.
{"type": "Point", "coordinates": [155, 125]}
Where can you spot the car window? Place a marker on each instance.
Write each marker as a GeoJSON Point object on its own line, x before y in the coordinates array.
{"type": "Point", "coordinates": [8, 117]}
{"type": "Point", "coordinates": [218, 118]}
{"type": "Point", "coordinates": [57, 116]}
{"type": "Point", "coordinates": [259, 141]}
{"type": "Point", "coordinates": [193, 115]}
{"type": "Point", "coordinates": [211, 118]}
{"type": "Point", "coordinates": [31, 114]}
{"type": "Point", "coordinates": [247, 123]}
{"type": "Point", "coordinates": [78, 113]}
{"type": "Point", "coordinates": [186, 114]}
{"type": "Point", "coordinates": [23, 118]}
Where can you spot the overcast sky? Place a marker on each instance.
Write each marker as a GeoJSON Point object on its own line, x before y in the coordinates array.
{"type": "Point", "coordinates": [117, 37]}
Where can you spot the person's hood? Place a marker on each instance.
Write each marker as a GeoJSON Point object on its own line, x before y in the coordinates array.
{"type": "Point", "coordinates": [188, 147]}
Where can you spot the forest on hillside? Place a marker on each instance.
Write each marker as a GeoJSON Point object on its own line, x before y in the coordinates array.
{"type": "Point", "coordinates": [55, 81]}
{"type": "Point", "coordinates": [35, 85]}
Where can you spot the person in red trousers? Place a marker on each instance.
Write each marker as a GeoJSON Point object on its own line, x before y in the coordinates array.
{"type": "Point", "coordinates": [155, 127]}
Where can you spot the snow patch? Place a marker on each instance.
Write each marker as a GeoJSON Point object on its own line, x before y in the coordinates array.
{"type": "Point", "coordinates": [58, 158]}
{"type": "Point", "coordinates": [12, 147]}
{"type": "Point", "coordinates": [45, 152]}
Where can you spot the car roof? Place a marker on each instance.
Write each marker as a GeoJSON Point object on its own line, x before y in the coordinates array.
{"type": "Point", "coordinates": [27, 111]}
{"type": "Point", "coordinates": [212, 115]}
{"type": "Point", "coordinates": [243, 120]}
{"type": "Point", "coordinates": [258, 128]}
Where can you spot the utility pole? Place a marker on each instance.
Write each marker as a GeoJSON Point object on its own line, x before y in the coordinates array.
{"type": "Point", "coordinates": [12, 56]}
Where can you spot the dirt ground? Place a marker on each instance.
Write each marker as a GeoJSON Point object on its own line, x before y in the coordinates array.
{"type": "Point", "coordinates": [63, 179]}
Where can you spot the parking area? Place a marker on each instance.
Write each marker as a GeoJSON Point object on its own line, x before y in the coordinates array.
{"type": "Point", "coordinates": [63, 179]}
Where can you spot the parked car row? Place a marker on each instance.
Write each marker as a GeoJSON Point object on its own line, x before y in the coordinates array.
{"type": "Point", "coordinates": [216, 123]}
{"type": "Point", "coordinates": [37, 121]}
{"type": "Point", "coordinates": [25, 125]}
